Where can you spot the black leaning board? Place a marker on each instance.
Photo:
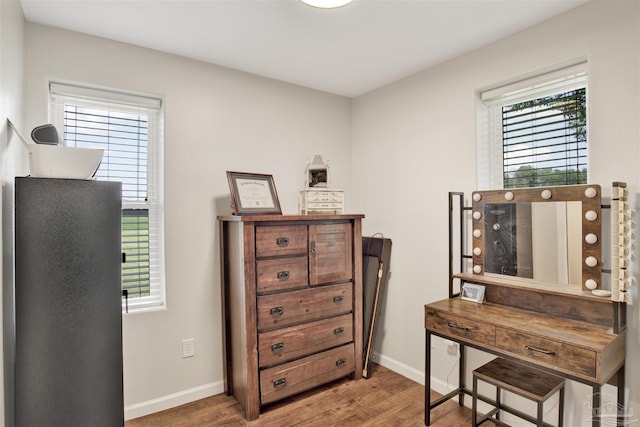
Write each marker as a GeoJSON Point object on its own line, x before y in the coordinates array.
{"type": "Point", "coordinates": [374, 251]}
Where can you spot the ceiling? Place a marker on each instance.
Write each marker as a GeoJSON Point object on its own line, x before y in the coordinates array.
{"type": "Point", "coordinates": [346, 51]}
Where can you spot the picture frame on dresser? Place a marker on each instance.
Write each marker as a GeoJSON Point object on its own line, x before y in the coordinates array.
{"type": "Point", "coordinates": [253, 194]}
{"type": "Point", "coordinates": [472, 292]}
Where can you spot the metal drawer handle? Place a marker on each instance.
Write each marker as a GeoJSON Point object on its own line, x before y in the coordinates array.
{"type": "Point", "coordinates": [280, 382]}
{"type": "Point", "coordinates": [338, 331]}
{"type": "Point", "coordinates": [277, 347]}
{"type": "Point", "coordinates": [313, 247]}
{"type": "Point", "coordinates": [341, 362]}
{"type": "Point", "coordinates": [282, 275]}
{"type": "Point", "coordinates": [282, 241]}
{"type": "Point", "coordinates": [338, 299]}
{"type": "Point", "coordinates": [454, 326]}
{"type": "Point", "coordinates": [540, 350]}
{"type": "Point", "coordinates": [276, 311]}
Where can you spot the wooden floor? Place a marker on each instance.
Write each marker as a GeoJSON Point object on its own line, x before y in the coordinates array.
{"type": "Point", "coordinates": [385, 399]}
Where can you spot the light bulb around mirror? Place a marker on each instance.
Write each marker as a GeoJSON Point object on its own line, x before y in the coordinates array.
{"type": "Point", "coordinates": [477, 233]}
{"type": "Point", "coordinates": [477, 269]}
{"type": "Point", "coordinates": [591, 215]}
{"type": "Point", "coordinates": [508, 195]}
{"type": "Point", "coordinates": [477, 197]}
{"type": "Point", "coordinates": [546, 194]}
{"type": "Point", "coordinates": [477, 251]}
{"type": "Point", "coordinates": [590, 284]}
{"type": "Point", "coordinates": [591, 238]}
{"type": "Point", "coordinates": [477, 215]}
{"type": "Point", "coordinates": [591, 261]}
{"type": "Point", "coordinates": [591, 192]}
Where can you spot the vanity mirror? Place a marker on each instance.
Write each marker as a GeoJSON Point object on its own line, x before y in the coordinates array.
{"type": "Point", "coordinates": [550, 235]}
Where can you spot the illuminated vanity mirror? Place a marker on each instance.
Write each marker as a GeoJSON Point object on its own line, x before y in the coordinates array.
{"type": "Point", "coordinates": [550, 235]}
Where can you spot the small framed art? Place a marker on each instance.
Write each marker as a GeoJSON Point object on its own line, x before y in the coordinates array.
{"type": "Point", "coordinates": [253, 194]}
{"type": "Point", "coordinates": [471, 292]}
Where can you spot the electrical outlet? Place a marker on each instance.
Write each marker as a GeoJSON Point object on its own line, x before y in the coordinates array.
{"type": "Point", "coordinates": [188, 348]}
{"type": "Point", "coordinates": [452, 348]}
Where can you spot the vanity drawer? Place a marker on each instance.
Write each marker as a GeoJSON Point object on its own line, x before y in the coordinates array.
{"type": "Point", "coordinates": [304, 374]}
{"type": "Point", "coordinates": [280, 240]}
{"type": "Point", "coordinates": [555, 354]}
{"type": "Point", "coordinates": [290, 343]}
{"type": "Point", "coordinates": [280, 274]}
{"type": "Point", "coordinates": [290, 308]}
{"type": "Point", "coordinates": [457, 326]}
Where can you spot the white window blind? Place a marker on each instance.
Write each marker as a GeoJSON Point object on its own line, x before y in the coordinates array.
{"type": "Point", "coordinates": [129, 129]}
{"type": "Point", "coordinates": [534, 132]}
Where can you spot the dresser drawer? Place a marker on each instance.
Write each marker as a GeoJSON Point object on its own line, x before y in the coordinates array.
{"type": "Point", "coordinates": [290, 308]}
{"type": "Point", "coordinates": [304, 374]}
{"type": "Point", "coordinates": [280, 240]}
{"type": "Point", "coordinates": [556, 354]}
{"type": "Point", "coordinates": [282, 273]}
{"type": "Point", "coordinates": [294, 342]}
{"type": "Point", "coordinates": [456, 326]}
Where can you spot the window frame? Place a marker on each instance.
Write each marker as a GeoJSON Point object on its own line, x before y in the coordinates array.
{"type": "Point", "coordinates": [489, 124]}
{"type": "Point", "coordinates": [129, 102]}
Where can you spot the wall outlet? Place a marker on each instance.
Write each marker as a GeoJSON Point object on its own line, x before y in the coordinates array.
{"type": "Point", "coordinates": [452, 348]}
{"type": "Point", "coordinates": [188, 348]}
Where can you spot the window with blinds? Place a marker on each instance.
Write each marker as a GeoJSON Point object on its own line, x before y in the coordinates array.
{"type": "Point", "coordinates": [544, 141]}
{"type": "Point", "coordinates": [128, 128]}
{"type": "Point", "coordinates": [534, 133]}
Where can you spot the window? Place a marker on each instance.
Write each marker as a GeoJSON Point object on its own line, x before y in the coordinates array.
{"type": "Point", "coordinates": [128, 128]}
{"type": "Point", "coordinates": [534, 133]}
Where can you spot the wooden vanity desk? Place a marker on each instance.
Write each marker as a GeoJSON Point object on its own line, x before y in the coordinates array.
{"type": "Point", "coordinates": [566, 331]}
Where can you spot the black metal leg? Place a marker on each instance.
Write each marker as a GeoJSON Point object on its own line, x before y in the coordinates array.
{"type": "Point", "coordinates": [461, 375]}
{"type": "Point", "coordinates": [595, 406]}
{"type": "Point", "coordinates": [427, 380]}
{"type": "Point", "coordinates": [621, 392]}
{"type": "Point", "coordinates": [474, 403]}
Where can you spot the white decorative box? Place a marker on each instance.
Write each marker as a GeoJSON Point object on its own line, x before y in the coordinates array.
{"type": "Point", "coordinates": [321, 201]}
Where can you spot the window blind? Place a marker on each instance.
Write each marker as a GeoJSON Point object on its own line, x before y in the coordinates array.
{"type": "Point", "coordinates": [128, 128]}
{"type": "Point", "coordinates": [534, 132]}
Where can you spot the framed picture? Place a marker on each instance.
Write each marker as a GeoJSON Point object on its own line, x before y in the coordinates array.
{"type": "Point", "coordinates": [253, 194]}
{"type": "Point", "coordinates": [471, 292]}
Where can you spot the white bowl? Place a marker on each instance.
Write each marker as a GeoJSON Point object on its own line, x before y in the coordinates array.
{"type": "Point", "coordinates": [56, 161]}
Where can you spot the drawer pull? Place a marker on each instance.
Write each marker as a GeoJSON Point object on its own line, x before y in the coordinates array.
{"type": "Point", "coordinates": [338, 331]}
{"type": "Point", "coordinates": [341, 362]}
{"type": "Point", "coordinates": [282, 275]}
{"type": "Point", "coordinates": [276, 311]}
{"type": "Point", "coordinates": [277, 347]}
{"type": "Point", "coordinates": [279, 383]}
{"type": "Point", "coordinates": [540, 350]}
{"type": "Point", "coordinates": [282, 241]}
{"type": "Point", "coordinates": [338, 299]}
{"type": "Point", "coordinates": [313, 247]}
{"type": "Point", "coordinates": [454, 326]}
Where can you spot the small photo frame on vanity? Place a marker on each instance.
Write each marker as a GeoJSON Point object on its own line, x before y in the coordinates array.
{"type": "Point", "coordinates": [472, 292]}
{"type": "Point", "coordinates": [253, 194]}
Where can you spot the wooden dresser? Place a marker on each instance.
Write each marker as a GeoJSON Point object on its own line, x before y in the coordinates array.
{"type": "Point", "coordinates": [292, 304]}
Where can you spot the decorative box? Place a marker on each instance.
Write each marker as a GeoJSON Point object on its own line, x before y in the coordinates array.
{"type": "Point", "coordinates": [321, 200]}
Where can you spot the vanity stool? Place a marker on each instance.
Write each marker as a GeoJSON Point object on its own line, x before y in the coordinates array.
{"type": "Point", "coordinates": [519, 379]}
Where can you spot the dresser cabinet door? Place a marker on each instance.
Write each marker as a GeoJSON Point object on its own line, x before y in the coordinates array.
{"type": "Point", "coordinates": [330, 253]}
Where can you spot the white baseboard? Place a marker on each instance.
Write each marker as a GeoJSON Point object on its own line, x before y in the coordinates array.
{"type": "Point", "coordinates": [172, 400]}
{"type": "Point", "coordinates": [413, 374]}
{"type": "Point", "coordinates": [186, 396]}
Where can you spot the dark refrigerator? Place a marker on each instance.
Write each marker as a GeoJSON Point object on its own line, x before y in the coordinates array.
{"type": "Point", "coordinates": [68, 316]}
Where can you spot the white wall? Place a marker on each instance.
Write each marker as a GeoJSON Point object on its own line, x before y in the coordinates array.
{"type": "Point", "coordinates": [396, 151]}
{"type": "Point", "coordinates": [12, 163]}
{"type": "Point", "coordinates": [216, 119]}
{"type": "Point", "coordinates": [421, 132]}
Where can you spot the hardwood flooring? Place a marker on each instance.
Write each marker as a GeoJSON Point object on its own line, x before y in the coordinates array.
{"type": "Point", "coordinates": [385, 399]}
